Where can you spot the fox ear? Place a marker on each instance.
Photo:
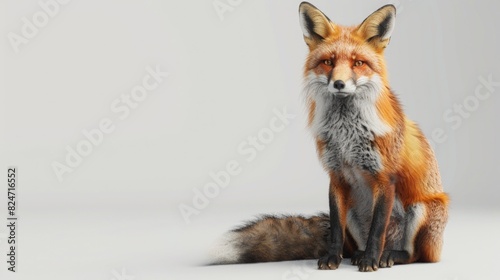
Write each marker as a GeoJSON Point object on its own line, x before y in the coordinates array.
{"type": "Point", "coordinates": [377, 27]}
{"type": "Point", "coordinates": [315, 25]}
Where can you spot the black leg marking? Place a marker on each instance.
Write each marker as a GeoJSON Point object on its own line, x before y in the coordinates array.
{"type": "Point", "coordinates": [376, 237]}
{"type": "Point", "coordinates": [334, 256]}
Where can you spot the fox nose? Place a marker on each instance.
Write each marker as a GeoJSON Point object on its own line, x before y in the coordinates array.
{"type": "Point", "coordinates": [339, 84]}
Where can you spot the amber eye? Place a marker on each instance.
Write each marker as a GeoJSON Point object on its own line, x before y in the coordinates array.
{"type": "Point", "coordinates": [327, 62]}
{"type": "Point", "coordinates": [358, 63]}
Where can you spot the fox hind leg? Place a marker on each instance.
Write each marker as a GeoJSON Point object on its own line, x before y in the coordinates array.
{"type": "Point", "coordinates": [404, 251]}
{"type": "Point", "coordinates": [429, 241]}
{"type": "Point", "coordinates": [423, 234]}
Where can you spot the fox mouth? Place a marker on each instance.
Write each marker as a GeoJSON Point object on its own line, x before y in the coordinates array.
{"type": "Point", "coordinates": [348, 88]}
{"type": "Point", "coordinates": [341, 94]}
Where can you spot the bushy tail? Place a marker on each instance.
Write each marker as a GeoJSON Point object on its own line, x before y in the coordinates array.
{"type": "Point", "coordinates": [274, 238]}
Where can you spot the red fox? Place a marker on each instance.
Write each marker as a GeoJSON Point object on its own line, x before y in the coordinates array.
{"type": "Point", "coordinates": [387, 205]}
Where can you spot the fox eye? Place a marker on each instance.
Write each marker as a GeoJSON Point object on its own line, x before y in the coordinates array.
{"type": "Point", "coordinates": [327, 62]}
{"type": "Point", "coordinates": [358, 63]}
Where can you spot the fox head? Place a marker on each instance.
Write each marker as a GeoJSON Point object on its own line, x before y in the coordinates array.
{"type": "Point", "coordinates": [346, 61]}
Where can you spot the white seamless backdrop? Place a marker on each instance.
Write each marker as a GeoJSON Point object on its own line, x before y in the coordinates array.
{"type": "Point", "coordinates": [209, 124]}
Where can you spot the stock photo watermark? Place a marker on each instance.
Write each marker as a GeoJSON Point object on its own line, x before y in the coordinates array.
{"type": "Point", "coordinates": [121, 108]}
{"type": "Point", "coordinates": [222, 7]}
{"type": "Point", "coordinates": [12, 223]}
{"type": "Point", "coordinates": [31, 26]}
{"type": "Point", "coordinates": [249, 149]}
{"type": "Point", "coordinates": [459, 112]}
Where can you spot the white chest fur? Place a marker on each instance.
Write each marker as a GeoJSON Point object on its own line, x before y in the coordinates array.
{"type": "Point", "coordinates": [348, 126]}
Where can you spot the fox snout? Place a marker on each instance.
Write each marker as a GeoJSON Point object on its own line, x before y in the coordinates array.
{"type": "Point", "coordinates": [341, 82]}
{"type": "Point", "coordinates": [341, 88]}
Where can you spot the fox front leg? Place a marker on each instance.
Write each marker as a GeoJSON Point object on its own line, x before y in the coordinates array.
{"type": "Point", "coordinates": [337, 203]}
{"type": "Point", "coordinates": [376, 238]}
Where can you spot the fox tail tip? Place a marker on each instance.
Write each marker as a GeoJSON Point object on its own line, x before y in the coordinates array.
{"type": "Point", "coordinates": [226, 250]}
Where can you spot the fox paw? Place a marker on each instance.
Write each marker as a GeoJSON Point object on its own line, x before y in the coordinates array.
{"type": "Point", "coordinates": [329, 262]}
{"type": "Point", "coordinates": [357, 256]}
{"type": "Point", "coordinates": [387, 259]}
{"type": "Point", "coordinates": [367, 264]}
{"type": "Point", "coordinates": [391, 257]}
